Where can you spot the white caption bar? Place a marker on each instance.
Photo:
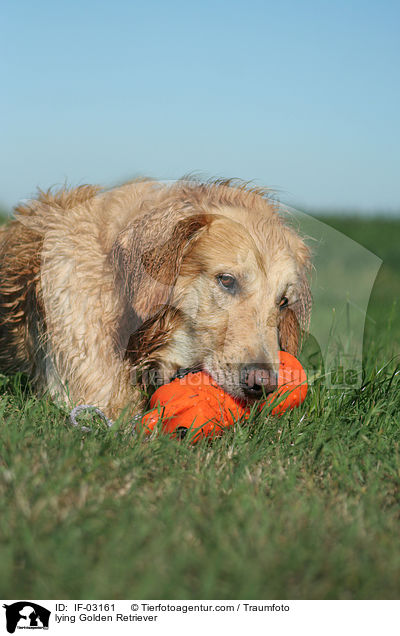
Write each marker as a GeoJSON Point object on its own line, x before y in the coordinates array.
{"type": "Point", "coordinates": [151, 617]}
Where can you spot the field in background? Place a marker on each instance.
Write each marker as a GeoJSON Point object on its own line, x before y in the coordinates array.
{"type": "Point", "coordinates": [302, 506]}
{"type": "Point", "coordinates": [382, 237]}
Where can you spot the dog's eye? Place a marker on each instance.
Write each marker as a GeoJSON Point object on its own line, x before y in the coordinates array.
{"type": "Point", "coordinates": [227, 282]}
{"type": "Point", "coordinates": [283, 302]}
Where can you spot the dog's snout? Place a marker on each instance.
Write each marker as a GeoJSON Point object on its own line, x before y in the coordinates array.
{"type": "Point", "coordinates": [257, 380]}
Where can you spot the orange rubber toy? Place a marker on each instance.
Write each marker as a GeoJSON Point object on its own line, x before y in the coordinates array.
{"type": "Point", "coordinates": [196, 403]}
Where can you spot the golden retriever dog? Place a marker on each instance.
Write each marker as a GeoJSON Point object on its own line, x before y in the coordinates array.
{"type": "Point", "coordinates": [104, 293]}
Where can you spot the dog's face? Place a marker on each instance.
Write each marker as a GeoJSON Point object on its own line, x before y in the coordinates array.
{"type": "Point", "coordinates": [238, 293]}
{"type": "Point", "coordinates": [232, 291]}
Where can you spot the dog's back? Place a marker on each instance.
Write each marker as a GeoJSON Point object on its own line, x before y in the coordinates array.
{"type": "Point", "coordinates": [59, 306]}
{"type": "Point", "coordinates": [20, 315]}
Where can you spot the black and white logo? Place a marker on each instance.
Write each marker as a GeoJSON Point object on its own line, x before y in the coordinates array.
{"type": "Point", "coordinates": [26, 615]}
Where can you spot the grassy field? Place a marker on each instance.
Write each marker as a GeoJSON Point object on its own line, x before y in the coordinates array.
{"type": "Point", "coordinates": [302, 506]}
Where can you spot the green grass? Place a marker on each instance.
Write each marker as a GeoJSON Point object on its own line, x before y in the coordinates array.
{"type": "Point", "coordinates": [302, 506]}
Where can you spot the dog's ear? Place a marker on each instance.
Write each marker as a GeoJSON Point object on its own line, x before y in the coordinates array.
{"type": "Point", "coordinates": [289, 332]}
{"type": "Point", "coordinates": [147, 257]}
{"type": "Point", "coordinates": [295, 320]}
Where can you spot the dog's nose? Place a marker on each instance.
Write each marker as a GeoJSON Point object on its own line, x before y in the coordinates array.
{"type": "Point", "coordinates": [257, 380]}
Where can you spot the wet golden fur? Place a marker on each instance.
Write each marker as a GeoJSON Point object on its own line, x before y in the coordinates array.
{"type": "Point", "coordinates": [97, 287]}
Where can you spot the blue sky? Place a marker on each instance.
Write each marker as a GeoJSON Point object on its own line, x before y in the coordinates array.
{"type": "Point", "coordinates": [301, 96]}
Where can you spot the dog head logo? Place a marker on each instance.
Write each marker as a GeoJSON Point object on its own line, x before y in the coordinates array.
{"type": "Point", "coordinates": [26, 615]}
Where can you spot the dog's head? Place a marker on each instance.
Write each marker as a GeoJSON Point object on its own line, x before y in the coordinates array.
{"type": "Point", "coordinates": [217, 281]}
